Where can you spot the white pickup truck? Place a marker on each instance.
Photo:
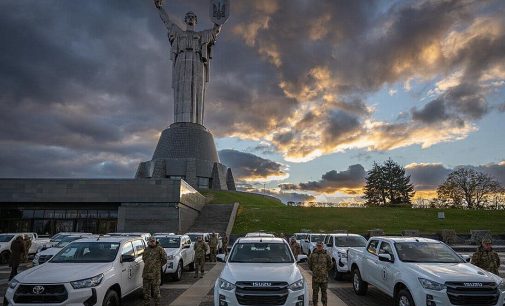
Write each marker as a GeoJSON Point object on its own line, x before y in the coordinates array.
{"type": "Point", "coordinates": [180, 254]}
{"type": "Point", "coordinates": [309, 243]}
{"type": "Point", "coordinates": [261, 271]}
{"type": "Point", "coordinates": [336, 246]}
{"type": "Point", "coordinates": [419, 271]}
{"type": "Point", "coordinates": [47, 253]}
{"type": "Point", "coordinates": [91, 271]}
{"type": "Point", "coordinates": [7, 239]}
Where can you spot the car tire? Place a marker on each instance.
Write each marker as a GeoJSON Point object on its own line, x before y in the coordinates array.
{"type": "Point", "coordinates": [338, 276]}
{"type": "Point", "coordinates": [4, 257]}
{"type": "Point", "coordinates": [404, 298]}
{"type": "Point", "coordinates": [191, 266]}
{"type": "Point", "coordinates": [360, 287]}
{"type": "Point", "coordinates": [111, 298]}
{"type": "Point", "coordinates": [178, 273]}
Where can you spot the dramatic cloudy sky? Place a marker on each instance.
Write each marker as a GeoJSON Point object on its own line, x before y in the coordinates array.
{"type": "Point", "coordinates": [303, 94]}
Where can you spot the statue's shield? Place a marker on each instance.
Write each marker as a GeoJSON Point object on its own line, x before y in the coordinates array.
{"type": "Point", "coordinates": [219, 11]}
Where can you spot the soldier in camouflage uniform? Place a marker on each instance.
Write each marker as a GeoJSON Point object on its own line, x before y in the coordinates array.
{"type": "Point", "coordinates": [213, 244]}
{"type": "Point", "coordinates": [225, 244]}
{"type": "Point", "coordinates": [486, 258]}
{"type": "Point", "coordinates": [154, 259]}
{"type": "Point", "coordinates": [200, 248]}
{"type": "Point", "coordinates": [295, 247]}
{"type": "Point", "coordinates": [320, 264]}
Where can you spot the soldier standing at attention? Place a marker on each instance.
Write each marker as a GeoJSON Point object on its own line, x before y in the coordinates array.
{"type": "Point", "coordinates": [295, 247]}
{"type": "Point", "coordinates": [320, 264]}
{"type": "Point", "coordinates": [154, 259]}
{"type": "Point", "coordinates": [214, 242]}
{"type": "Point", "coordinates": [18, 250]}
{"type": "Point", "coordinates": [225, 244]}
{"type": "Point", "coordinates": [200, 248]}
{"type": "Point", "coordinates": [485, 258]}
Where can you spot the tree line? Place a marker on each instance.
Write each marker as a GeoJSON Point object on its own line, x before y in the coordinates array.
{"type": "Point", "coordinates": [388, 185]}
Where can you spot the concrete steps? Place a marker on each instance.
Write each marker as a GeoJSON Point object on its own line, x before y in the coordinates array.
{"type": "Point", "coordinates": [213, 218]}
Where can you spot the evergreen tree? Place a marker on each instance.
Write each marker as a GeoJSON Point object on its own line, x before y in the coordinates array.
{"type": "Point", "coordinates": [387, 184]}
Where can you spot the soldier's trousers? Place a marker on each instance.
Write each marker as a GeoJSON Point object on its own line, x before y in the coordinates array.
{"type": "Point", "coordinates": [199, 264]}
{"type": "Point", "coordinates": [213, 252]}
{"type": "Point", "coordinates": [151, 288]}
{"type": "Point", "coordinates": [315, 290]}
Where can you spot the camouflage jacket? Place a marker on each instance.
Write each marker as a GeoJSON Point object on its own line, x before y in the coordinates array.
{"type": "Point", "coordinates": [487, 260]}
{"type": "Point", "coordinates": [320, 264]}
{"type": "Point", "coordinates": [154, 259]}
{"type": "Point", "coordinates": [295, 248]}
{"type": "Point", "coordinates": [201, 249]}
{"type": "Point", "coordinates": [225, 240]}
{"type": "Point", "coordinates": [214, 242]}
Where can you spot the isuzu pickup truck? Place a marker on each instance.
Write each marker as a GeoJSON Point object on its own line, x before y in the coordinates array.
{"type": "Point", "coordinates": [419, 271]}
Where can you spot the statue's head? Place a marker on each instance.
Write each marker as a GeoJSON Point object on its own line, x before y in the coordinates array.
{"type": "Point", "coordinates": [190, 19]}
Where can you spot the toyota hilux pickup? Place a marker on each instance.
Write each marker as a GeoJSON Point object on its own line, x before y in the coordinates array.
{"type": "Point", "coordinates": [46, 254]}
{"type": "Point", "coordinates": [91, 271]}
{"type": "Point", "coordinates": [180, 254]}
{"type": "Point", "coordinates": [337, 246]}
{"type": "Point", "coordinates": [419, 271]}
{"type": "Point", "coordinates": [261, 271]}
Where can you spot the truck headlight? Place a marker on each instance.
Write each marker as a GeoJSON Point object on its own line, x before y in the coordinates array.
{"type": "Point", "coordinates": [298, 285]}
{"type": "Point", "coordinates": [170, 257]}
{"type": "Point", "coordinates": [88, 282]}
{"type": "Point", "coordinates": [13, 283]}
{"type": "Point", "coordinates": [431, 285]}
{"type": "Point", "coordinates": [501, 286]}
{"type": "Point", "coordinates": [226, 285]}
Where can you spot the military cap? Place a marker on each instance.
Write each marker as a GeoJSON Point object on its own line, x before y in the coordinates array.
{"type": "Point", "coordinates": [486, 240]}
{"type": "Point", "coordinates": [319, 243]}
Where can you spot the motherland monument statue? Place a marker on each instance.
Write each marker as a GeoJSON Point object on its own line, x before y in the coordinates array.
{"type": "Point", "coordinates": [191, 55]}
{"type": "Point", "coordinates": [186, 150]}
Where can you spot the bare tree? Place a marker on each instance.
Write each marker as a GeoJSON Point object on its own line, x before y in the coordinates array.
{"type": "Point", "coordinates": [467, 186]}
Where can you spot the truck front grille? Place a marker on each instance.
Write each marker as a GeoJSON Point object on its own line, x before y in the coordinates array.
{"type": "Point", "coordinates": [472, 293]}
{"type": "Point", "coordinates": [40, 294]}
{"type": "Point", "coordinates": [261, 293]}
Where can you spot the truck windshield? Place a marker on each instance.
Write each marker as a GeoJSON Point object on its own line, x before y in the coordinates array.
{"type": "Point", "coordinates": [300, 236]}
{"type": "Point", "coordinates": [169, 242]}
{"type": "Point", "coordinates": [261, 253]}
{"type": "Point", "coordinates": [6, 238]}
{"type": "Point", "coordinates": [65, 241]}
{"type": "Point", "coordinates": [195, 236]}
{"type": "Point", "coordinates": [316, 238]}
{"type": "Point", "coordinates": [426, 252]}
{"type": "Point", "coordinates": [83, 252]}
{"type": "Point", "coordinates": [350, 241]}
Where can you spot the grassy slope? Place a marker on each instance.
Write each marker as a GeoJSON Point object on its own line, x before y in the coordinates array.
{"type": "Point", "coordinates": [257, 212]}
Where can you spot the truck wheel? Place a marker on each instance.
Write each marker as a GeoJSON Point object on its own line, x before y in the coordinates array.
{"type": "Point", "coordinates": [338, 276]}
{"type": "Point", "coordinates": [191, 266]}
{"type": "Point", "coordinates": [360, 287]}
{"type": "Point", "coordinates": [178, 273]}
{"type": "Point", "coordinates": [111, 298]}
{"type": "Point", "coordinates": [404, 298]}
{"type": "Point", "coordinates": [4, 257]}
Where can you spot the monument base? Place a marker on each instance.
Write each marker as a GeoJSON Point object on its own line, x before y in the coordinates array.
{"type": "Point", "coordinates": [187, 151]}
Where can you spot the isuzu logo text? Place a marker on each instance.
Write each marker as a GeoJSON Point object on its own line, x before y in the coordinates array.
{"type": "Point", "coordinates": [472, 284]}
{"type": "Point", "coordinates": [261, 284]}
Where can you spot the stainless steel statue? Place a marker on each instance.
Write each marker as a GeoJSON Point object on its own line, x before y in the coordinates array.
{"type": "Point", "coordinates": [191, 55]}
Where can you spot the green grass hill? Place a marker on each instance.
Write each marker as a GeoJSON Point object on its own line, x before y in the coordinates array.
{"type": "Point", "coordinates": [259, 212]}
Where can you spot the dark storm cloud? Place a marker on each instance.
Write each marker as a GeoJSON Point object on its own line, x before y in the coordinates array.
{"type": "Point", "coordinates": [341, 125]}
{"type": "Point", "coordinates": [427, 176]}
{"type": "Point", "coordinates": [332, 181]}
{"type": "Point", "coordinates": [249, 167]}
{"type": "Point", "coordinates": [434, 111]}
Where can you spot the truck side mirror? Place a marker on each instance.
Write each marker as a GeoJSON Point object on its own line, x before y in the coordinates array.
{"type": "Point", "coordinates": [127, 258]}
{"type": "Point", "coordinates": [386, 258]}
